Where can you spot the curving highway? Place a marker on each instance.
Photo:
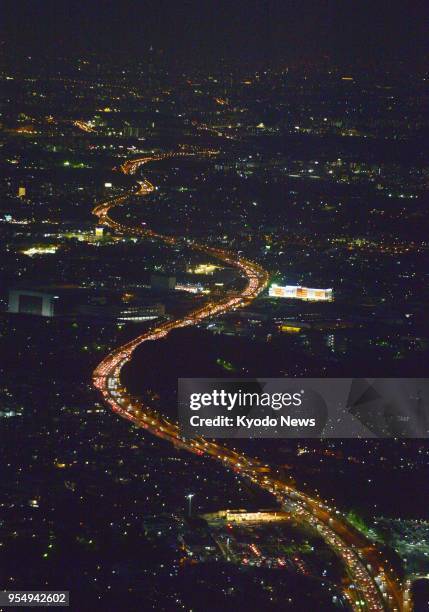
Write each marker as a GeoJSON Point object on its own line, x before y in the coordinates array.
{"type": "Point", "coordinates": [372, 585]}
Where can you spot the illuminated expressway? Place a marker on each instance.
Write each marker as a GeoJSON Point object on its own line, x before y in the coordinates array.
{"type": "Point", "coordinates": [372, 585]}
{"type": "Point", "coordinates": [84, 126]}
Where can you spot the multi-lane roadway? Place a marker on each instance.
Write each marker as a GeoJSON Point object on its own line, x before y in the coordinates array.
{"type": "Point", "coordinates": [372, 584]}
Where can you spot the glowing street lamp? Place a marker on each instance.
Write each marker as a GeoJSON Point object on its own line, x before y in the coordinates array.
{"type": "Point", "coordinates": [189, 498]}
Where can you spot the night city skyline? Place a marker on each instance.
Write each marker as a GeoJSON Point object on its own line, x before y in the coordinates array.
{"type": "Point", "coordinates": [233, 194]}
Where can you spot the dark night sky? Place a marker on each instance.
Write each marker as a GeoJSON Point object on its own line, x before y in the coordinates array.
{"type": "Point", "coordinates": [346, 31]}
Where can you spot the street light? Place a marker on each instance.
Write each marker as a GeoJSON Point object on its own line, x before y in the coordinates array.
{"type": "Point", "coordinates": [189, 498]}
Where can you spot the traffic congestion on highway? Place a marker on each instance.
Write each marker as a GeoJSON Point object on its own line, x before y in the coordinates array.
{"type": "Point", "coordinates": [372, 584]}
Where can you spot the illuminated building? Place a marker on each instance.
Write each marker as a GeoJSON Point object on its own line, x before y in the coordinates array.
{"type": "Point", "coordinates": [203, 269]}
{"type": "Point", "coordinates": [142, 313]}
{"type": "Point", "coordinates": [301, 293]}
{"type": "Point", "coordinates": [290, 329]}
{"type": "Point", "coordinates": [130, 131]}
{"type": "Point", "coordinates": [130, 314]}
{"type": "Point", "coordinates": [7, 413]}
{"type": "Point", "coordinates": [99, 232]}
{"type": "Point", "coordinates": [21, 191]}
{"type": "Point", "coordinates": [40, 250]}
{"type": "Point", "coordinates": [191, 288]}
